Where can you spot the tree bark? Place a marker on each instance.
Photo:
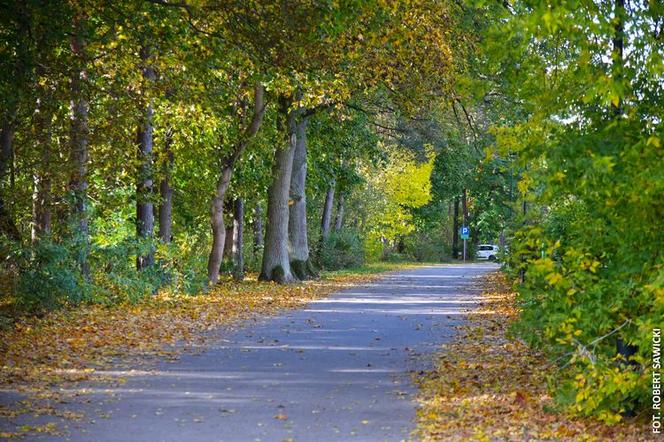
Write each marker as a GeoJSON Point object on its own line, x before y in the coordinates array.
{"type": "Point", "coordinates": [7, 225]}
{"type": "Point", "coordinates": [217, 209]}
{"type": "Point", "coordinates": [276, 263]}
{"type": "Point", "coordinates": [297, 220]}
{"type": "Point", "coordinates": [228, 243]}
{"type": "Point", "coordinates": [20, 78]}
{"type": "Point", "coordinates": [258, 230]}
{"type": "Point", "coordinates": [238, 240]}
{"type": "Point", "coordinates": [166, 192]}
{"type": "Point", "coordinates": [455, 229]}
{"type": "Point", "coordinates": [327, 213]}
{"type": "Point", "coordinates": [41, 177]}
{"type": "Point", "coordinates": [217, 223]}
{"type": "Point", "coordinates": [41, 193]}
{"type": "Point", "coordinates": [144, 188]}
{"type": "Point", "coordinates": [618, 43]}
{"type": "Point", "coordinates": [78, 184]}
{"type": "Point", "coordinates": [339, 220]}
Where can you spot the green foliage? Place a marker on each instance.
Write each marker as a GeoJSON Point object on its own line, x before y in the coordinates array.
{"type": "Point", "coordinates": [373, 248]}
{"type": "Point", "coordinates": [426, 247]}
{"type": "Point", "coordinates": [46, 278]}
{"type": "Point", "coordinates": [343, 249]}
{"type": "Point", "coordinates": [590, 152]}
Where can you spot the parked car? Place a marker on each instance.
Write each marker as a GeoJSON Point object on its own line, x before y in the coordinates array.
{"type": "Point", "coordinates": [487, 251]}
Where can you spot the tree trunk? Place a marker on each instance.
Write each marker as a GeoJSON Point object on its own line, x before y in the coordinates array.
{"type": "Point", "coordinates": [327, 213]}
{"type": "Point", "coordinates": [41, 193]}
{"type": "Point", "coordinates": [78, 184]}
{"type": "Point", "coordinates": [276, 264]}
{"type": "Point", "coordinates": [217, 223]}
{"type": "Point", "coordinates": [144, 189]}
{"type": "Point", "coordinates": [297, 220]}
{"type": "Point", "coordinates": [339, 220]}
{"type": "Point", "coordinates": [455, 229]}
{"type": "Point", "coordinates": [7, 225]}
{"type": "Point", "coordinates": [228, 243]}
{"type": "Point", "coordinates": [238, 240]}
{"type": "Point", "coordinates": [258, 230]}
{"type": "Point", "coordinates": [326, 220]}
{"type": "Point", "coordinates": [166, 192]}
{"type": "Point", "coordinates": [41, 206]}
{"type": "Point", "coordinates": [217, 210]}
{"type": "Point", "coordinates": [618, 43]}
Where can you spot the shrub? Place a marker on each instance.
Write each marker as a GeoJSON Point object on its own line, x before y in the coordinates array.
{"type": "Point", "coordinates": [373, 248]}
{"type": "Point", "coordinates": [424, 248]}
{"type": "Point", "coordinates": [342, 250]}
{"type": "Point", "coordinates": [45, 276]}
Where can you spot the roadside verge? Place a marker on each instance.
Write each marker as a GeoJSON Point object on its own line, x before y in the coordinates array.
{"type": "Point", "coordinates": [489, 386]}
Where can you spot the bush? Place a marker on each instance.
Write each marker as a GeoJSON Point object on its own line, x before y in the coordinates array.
{"type": "Point", "coordinates": [114, 274]}
{"type": "Point", "coordinates": [396, 257]}
{"type": "Point", "coordinates": [342, 250]}
{"type": "Point", "coordinates": [373, 248]}
{"type": "Point", "coordinates": [45, 276]}
{"type": "Point", "coordinates": [182, 265]}
{"type": "Point", "coordinates": [424, 248]}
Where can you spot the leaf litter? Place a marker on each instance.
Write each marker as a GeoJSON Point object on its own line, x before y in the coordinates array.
{"type": "Point", "coordinates": [46, 358]}
{"type": "Point", "coordinates": [489, 386]}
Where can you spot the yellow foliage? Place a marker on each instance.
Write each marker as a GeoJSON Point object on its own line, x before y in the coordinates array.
{"type": "Point", "coordinates": [403, 184]}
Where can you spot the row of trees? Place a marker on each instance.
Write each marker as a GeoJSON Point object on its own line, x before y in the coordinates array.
{"type": "Point", "coordinates": [189, 112]}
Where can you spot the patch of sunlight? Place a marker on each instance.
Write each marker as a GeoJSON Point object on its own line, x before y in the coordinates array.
{"type": "Point", "coordinates": [394, 301]}
{"type": "Point", "coordinates": [413, 311]}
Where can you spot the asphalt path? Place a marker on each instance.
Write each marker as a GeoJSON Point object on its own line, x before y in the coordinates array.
{"type": "Point", "coordinates": [339, 369]}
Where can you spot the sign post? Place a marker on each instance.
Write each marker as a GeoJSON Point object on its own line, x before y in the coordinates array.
{"type": "Point", "coordinates": [465, 234]}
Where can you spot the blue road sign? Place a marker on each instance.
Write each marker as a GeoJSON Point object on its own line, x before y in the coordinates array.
{"type": "Point", "coordinates": [465, 232]}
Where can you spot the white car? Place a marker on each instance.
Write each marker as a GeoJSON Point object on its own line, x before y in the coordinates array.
{"type": "Point", "coordinates": [487, 251]}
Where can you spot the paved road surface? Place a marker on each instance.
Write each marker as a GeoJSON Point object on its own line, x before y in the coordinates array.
{"type": "Point", "coordinates": [337, 370]}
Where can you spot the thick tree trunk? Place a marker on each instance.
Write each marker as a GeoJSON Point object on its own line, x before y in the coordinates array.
{"type": "Point", "coordinates": [238, 239]}
{"type": "Point", "coordinates": [7, 225]}
{"type": "Point", "coordinates": [327, 213]}
{"type": "Point", "coordinates": [455, 229]}
{"type": "Point", "coordinates": [276, 263]}
{"type": "Point", "coordinates": [258, 230]}
{"type": "Point", "coordinates": [166, 192]}
{"type": "Point", "coordinates": [339, 220]}
{"type": "Point", "coordinates": [144, 189]}
{"type": "Point", "coordinates": [297, 220]}
{"type": "Point", "coordinates": [217, 224]}
{"type": "Point", "coordinates": [78, 184]}
{"type": "Point", "coordinates": [217, 211]}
